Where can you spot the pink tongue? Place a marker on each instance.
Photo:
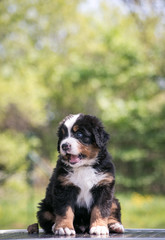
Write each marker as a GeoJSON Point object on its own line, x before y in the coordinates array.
{"type": "Point", "coordinates": [74, 159]}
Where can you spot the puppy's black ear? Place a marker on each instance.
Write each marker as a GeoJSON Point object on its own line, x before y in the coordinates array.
{"type": "Point", "coordinates": [101, 136]}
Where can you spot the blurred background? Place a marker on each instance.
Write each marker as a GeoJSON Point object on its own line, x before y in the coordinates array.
{"type": "Point", "coordinates": [105, 58]}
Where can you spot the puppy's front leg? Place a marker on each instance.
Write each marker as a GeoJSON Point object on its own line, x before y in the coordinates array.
{"type": "Point", "coordinates": [64, 224]}
{"type": "Point", "coordinates": [98, 224]}
{"type": "Point", "coordinates": [102, 195]}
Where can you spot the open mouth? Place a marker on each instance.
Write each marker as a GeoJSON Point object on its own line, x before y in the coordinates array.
{"type": "Point", "coordinates": [73, 159]}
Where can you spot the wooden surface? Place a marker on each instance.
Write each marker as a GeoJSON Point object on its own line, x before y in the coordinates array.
{"type": "Point", "coordinates": [129, 234]}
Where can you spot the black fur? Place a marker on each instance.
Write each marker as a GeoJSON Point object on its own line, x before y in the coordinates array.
{"type": "Point", "coordinates": [59, 196]}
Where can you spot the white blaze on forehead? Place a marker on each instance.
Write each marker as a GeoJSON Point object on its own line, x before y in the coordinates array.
{"type": "Point", "coordinates": [71, 121]}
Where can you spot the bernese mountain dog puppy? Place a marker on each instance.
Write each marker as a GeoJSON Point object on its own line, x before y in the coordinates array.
{"type": "Point", "coordinates": [80, 195]}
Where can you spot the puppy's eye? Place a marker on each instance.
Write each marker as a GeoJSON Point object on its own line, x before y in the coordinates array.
{"type": "Point", "coordinates": [79, 134]}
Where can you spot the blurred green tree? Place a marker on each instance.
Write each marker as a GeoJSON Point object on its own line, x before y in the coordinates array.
{"type": "Point", "coordinates": [58, 59]}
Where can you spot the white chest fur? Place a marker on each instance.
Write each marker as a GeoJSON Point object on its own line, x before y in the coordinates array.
{"type": "Point", "coordinates": [85, 178]}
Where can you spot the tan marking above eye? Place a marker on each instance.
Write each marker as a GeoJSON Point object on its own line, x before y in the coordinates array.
{"type": "Point", "coordinates": [75, 128]}
{"type": "Point", "coordinates": [63, 131]}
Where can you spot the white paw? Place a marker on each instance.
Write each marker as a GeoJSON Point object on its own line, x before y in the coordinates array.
{"type": "Point", "coordinates": [117, 227]}
{"type": "Point", "coordinates": [99, 230]}
{"type": "Point", "coordinates": [63, 231]}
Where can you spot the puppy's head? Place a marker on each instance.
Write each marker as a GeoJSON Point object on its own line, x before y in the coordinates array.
{"type": "Point", "coordinates": [81, 138]}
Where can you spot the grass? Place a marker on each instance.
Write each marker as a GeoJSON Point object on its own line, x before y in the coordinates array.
{"type": "Point", "coordinates": [18, 208]}
{"type": "Point", "coordinates": [142, 211]}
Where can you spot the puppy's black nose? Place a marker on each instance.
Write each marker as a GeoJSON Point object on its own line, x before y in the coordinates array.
{"type": "Point", "coordinates": [66, 147]}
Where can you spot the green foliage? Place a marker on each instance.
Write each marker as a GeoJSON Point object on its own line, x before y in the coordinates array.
{"type": "Point", "coordinates": [142, 211]}
{"type": "Point", "coordinates": [17, 206]}
{"type": "Point", "coordinates": [57, 59]}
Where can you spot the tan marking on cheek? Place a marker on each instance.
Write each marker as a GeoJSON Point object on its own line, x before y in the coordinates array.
{"type": "Point", "coordinates": [97, 219]}
{"type": "Point", "coordinates": [48, 216]}
{"type": "Point", "coordinates": [75, 128]}
{"type": "Point", "coordinates": [65, 221]}
{"type": "Point", "coordinates": [91, 151]}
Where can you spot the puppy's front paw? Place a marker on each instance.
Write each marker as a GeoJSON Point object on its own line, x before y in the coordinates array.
{"type": "Point", "coordinates": [99, 230]}
{"type": "Point", "coordinates": [63, 231]}
{"type": "Point", "coordinates": [116, 227]}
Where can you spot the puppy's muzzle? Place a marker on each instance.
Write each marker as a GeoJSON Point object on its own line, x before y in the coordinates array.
{"type": "Point", "coordinates": [66, 147]}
